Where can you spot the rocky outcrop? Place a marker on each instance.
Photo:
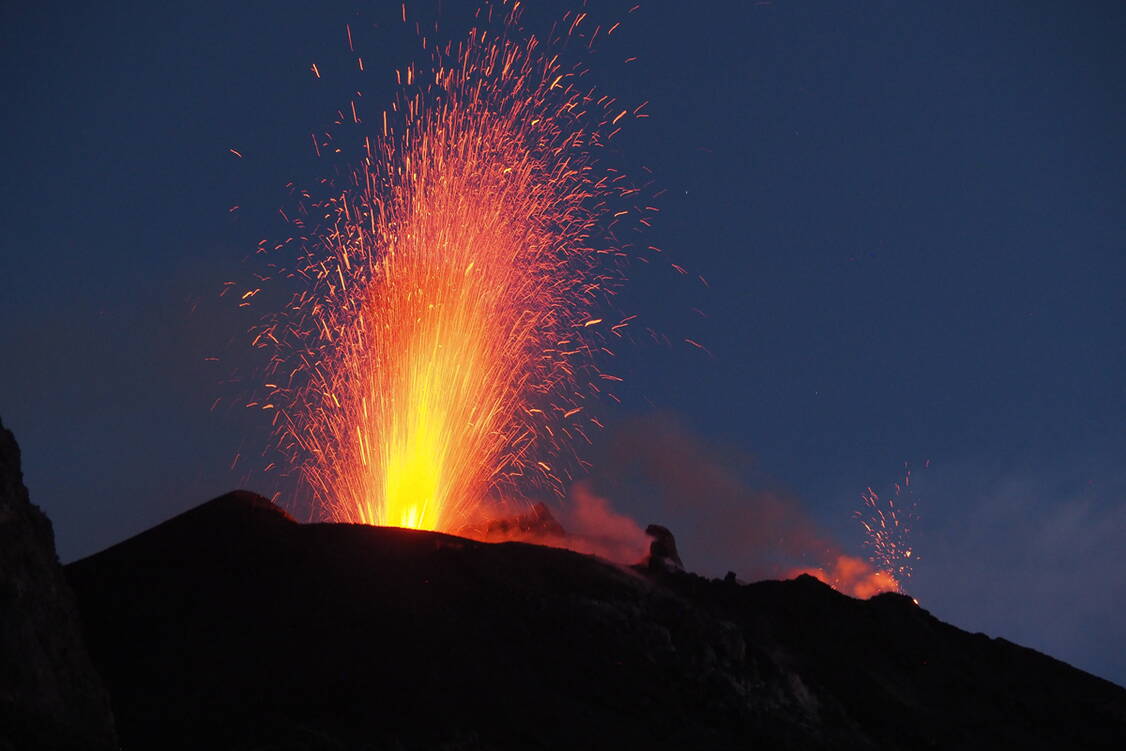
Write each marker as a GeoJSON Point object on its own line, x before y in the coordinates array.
{"type": "Point", "coordinates": [50, 696]}
{"type": "Point", "coordinates": [663, 555]}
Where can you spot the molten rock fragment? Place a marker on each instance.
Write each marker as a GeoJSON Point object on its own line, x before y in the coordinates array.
{"type": "Point", "coordinates": [662, 551]}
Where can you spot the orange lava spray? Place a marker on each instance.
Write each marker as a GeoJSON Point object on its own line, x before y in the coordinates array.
{"type": "Point", "coordinates": [887, 525]}
{"type": "Point", "coordinates": [438, 351]}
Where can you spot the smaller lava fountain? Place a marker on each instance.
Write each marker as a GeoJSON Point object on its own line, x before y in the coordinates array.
{"type": "Point", "coordinates": [887, 525]}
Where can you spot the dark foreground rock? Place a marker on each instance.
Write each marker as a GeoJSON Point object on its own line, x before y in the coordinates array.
{"type": "Point", "coordinates": [50, 696]}
{"type": "Point", "coordinates": [233, 627]}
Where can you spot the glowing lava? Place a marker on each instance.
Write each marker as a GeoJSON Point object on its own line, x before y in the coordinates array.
{"type": "Point", "coordinates": [852, 576]}
{"type": "Point", "coordinates": [437, 352]}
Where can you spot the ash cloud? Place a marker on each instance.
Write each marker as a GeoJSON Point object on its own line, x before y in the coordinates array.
{"type": "Point", "coordinates": [726, 514]}
{"type": "Point", "coordinates": [585, 524]}
{"type": "Point", "coordinates": [594, 527]}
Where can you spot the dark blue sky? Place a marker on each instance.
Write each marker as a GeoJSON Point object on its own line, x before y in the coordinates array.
{"type": "Point", "coordinates": [912, 217]}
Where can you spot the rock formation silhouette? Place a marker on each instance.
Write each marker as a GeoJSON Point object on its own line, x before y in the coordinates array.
{"type": "Point", "coordinates": [50, 696]}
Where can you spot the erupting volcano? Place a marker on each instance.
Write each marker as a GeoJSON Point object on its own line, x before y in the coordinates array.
{"type": "Point", "coordinates": [526, 482]}
{"type": "Point", "coordinates": [436, 354]}
{"type": "Point", "coordinates": [433, 368]}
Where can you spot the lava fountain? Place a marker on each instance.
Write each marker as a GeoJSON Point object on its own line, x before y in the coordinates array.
{"type": "Point", "coordinates": [444, 338]}
{"type": "Point", "coordinates": [887, 525]}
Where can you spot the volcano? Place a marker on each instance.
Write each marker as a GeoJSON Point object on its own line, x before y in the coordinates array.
{"type": "Point", "coordinates": [232, 626]}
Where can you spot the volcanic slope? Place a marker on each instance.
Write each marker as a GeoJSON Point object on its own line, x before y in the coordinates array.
{"type": "Point", "coordinates": [233, 627]}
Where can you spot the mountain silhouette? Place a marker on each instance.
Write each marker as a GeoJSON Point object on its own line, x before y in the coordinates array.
{"type": "Point", "coordinates": [232, 626]}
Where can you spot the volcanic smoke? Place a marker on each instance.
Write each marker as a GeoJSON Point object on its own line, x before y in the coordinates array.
{"type": "Point", "coordinates": [443, 343]}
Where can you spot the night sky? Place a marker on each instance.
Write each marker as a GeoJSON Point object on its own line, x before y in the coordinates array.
{"type": "Point", "coordinates": [912, 219]}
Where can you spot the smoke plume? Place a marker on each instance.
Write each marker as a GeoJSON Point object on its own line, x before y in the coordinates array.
{"type": "Point", "coordinates": [725, 513]}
